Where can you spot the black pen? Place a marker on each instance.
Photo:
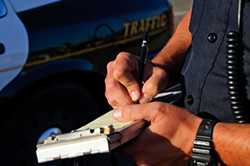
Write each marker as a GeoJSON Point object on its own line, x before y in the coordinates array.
{"type": "Point", "coordinates": [143, 57]}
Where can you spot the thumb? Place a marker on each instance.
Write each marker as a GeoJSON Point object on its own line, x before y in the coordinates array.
{"type": "Point", "coordinates": [157, 82]}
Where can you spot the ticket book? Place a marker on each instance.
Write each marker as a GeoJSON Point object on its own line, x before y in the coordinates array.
{"type": "Point", "coordinates": [99, 136]}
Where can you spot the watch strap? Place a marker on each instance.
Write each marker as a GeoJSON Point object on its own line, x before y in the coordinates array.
{"type": "Point", "coordinates": [203, 151]}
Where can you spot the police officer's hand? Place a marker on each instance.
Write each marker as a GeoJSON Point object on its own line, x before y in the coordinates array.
{"type": "Point", "coordinates": [168, 139]}
{"type": "Point", "coordinates": [122, 86]}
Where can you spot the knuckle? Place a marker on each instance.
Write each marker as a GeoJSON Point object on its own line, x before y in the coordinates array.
{"type": "Point", "coordinates": [118, 73]}
{"type": "Point", "coordinates": [106, 80]}
{"type": "Point", "coordinates": [110, 86]}
{"type": "Point", "coordinates": [109, 65]}
{"type": "Point", "coordinates": [107, 94]}
{"type": "Point", "coordinates": [122, 55]}
{"type": "Point", "coordinates": [126, 57]}
{"type": "Point", "coordinates": [113, 103]}
{"type": "Point", "coordinates": [111, 100]}
{"type": "Point", "coordinates": [159, 111]}
{"type": "Point", "coordinates": [159, 107]}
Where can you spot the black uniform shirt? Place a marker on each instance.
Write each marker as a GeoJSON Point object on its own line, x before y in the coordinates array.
{"type": "Point", "coordinates": [205, 69]}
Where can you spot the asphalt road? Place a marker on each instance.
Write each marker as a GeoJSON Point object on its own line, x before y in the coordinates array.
{"type": "Point", "coordinates": [180, 7]}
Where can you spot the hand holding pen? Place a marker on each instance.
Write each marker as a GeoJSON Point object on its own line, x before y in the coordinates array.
{"type": "Point", "coordinates": [123, 83]}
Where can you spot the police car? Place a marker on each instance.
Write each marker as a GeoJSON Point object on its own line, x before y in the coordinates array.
{"type": "Point", "coordinates": [53, 55]}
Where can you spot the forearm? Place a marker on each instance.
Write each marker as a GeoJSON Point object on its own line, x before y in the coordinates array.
{"type": "Point", "coordinates": [232, 143]}
{"type": "Point", "coordinates": [177, 45]}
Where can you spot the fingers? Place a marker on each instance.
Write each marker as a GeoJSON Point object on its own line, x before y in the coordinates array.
{"type": "Point", "coordinates": [157, 81]}
{"type": "Point", "coordinates": [122, 87]}
{"type": "Point", "coordinates": [115, 93]}
{"type": "Point", "coordinates": [124, 71]}
{"type": "Point", "coordinates": [136, 112]}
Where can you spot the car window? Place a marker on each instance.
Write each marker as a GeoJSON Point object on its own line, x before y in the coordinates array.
{"type": "Point", "coordinates": [3, 10]}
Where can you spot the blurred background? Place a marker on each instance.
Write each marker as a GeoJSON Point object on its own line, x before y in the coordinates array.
{"type": "Point", "coordinates": [53, 57]}
{"type": "Point", "coordinates": [180, 7]}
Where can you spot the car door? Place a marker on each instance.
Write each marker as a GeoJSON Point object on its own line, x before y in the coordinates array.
{"type": "Point", "coordinates": [13, 44]}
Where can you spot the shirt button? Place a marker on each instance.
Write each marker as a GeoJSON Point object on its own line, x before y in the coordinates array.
{"type": "Point", "coordinates": [189, 99]}
{"type": "Point", "coordinates": [212, 37]}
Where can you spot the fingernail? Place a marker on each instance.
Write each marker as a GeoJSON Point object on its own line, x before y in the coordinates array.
{"type": "Point", "coordinates": [135, 95]}
{"type": "Point", "coordinates": [117, 114]}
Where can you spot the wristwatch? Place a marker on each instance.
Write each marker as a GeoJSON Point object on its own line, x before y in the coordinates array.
{"type": "Point", "coordinates": [203, 151]}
